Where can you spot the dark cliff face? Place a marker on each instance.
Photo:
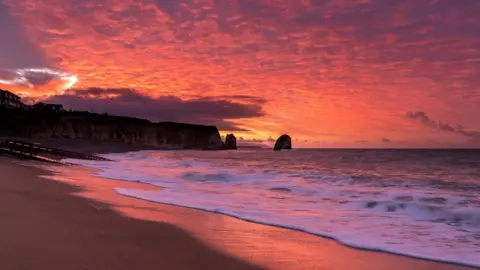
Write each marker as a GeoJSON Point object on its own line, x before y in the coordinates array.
{"type": "Point", "coordinates": [85, 125]}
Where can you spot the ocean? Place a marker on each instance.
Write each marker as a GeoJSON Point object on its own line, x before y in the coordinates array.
{"type": "Point", "coordinates": [419, 203]}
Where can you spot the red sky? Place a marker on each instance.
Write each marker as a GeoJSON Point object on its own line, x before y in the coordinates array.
{"type": "Point", "coordinates": [341, 73]}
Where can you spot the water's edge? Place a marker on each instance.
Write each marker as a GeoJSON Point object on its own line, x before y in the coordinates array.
{"type": "Point", "coordinates": [325, 236]}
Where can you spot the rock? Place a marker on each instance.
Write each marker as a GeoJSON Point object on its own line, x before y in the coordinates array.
{"type": "Point", "coordinates": [230, 142]}
{"type": "Point", "coordinates": [281, 189]}
{"type": "Point", "coordinates": [371, 204]}
{"type": "Point", "coordinates": [283, 142]}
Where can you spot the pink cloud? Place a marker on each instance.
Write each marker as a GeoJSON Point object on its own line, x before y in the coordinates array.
{"type": "Point", "coordinates": [347, 68]}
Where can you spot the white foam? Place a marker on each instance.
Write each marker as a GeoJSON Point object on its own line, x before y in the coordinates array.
{"type": "Point", "coordinates": [421, 222]}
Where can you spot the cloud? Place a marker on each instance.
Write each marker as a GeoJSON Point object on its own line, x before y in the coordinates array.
{"type": "Point", "coordinates": [242, 142]}
{"type": "Point", "coordinates": [23, 63]}
{"type": "Point", "coordinates": [221, 124]}
{"type": "Point", "coordinates": [16, 49]}
{"type": "Point", "coordinates": [251, 140]}
{"type": "Point", "coordinates": [53, 81]}
{"type": "Point", "coordinates": [243, 98]}
{"type": "Point", "coordinates": [473, 136]}
{"type": "Point", "coordinates": [425, 120]}
{"type": "Point", "coordinates": [386, 140]}
{"type": "Point", "coordinates": [128, 102]}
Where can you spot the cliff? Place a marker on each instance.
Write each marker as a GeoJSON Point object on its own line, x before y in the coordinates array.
{"type": "Point", "coordinates": [102, 127]}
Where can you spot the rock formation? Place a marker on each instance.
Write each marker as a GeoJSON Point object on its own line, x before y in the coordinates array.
{"type": "Point", "coordinates": [283, 142]}
{"type": "Point", "coordinates": [85, 125]}
{"type": "Point", "coordinates": [230, 142]}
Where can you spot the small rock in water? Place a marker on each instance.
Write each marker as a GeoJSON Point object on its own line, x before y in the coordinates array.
{"type": "Point", "coordinates": [281, 189]}
{"type": "Point", "coordinates": [404, 198]}
{"type": "Point", "coordinates": [371, 204]}
{"type": "Point", "coordinates": [439, 220]}
{"type": "Point", "coordinates": [283, 142]}
{"type": "Point", "coordinates": [438, 200]}
{"type": "Point", "coordinates": [230, 142]}
{"type": "Point", "coordinates": [392, 208]}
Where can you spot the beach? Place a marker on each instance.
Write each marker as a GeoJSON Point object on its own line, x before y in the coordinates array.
{"type": "Point", "coordinates": [55, 221]}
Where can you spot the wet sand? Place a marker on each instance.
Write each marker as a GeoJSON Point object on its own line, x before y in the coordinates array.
{"type": "Point", "coordinates": [79, 222]}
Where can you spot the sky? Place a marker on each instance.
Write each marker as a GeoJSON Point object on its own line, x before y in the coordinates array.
{"type": "Point", "coordinates": [330, 73]}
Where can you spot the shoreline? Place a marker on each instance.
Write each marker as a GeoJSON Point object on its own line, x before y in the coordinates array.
{"type": "Point", "coordinates": [325, 237]}
{"type": "Point", "coordinates": [316, 242]}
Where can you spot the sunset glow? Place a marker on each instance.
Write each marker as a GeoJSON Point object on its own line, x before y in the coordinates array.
{"type": "Point", "coordinates": [330, 73]}
{"type": "Point", "coordinates": [29, 77]}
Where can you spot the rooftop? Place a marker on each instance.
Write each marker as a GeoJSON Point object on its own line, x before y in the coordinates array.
{"type": "Point", "coordinates": [6, 91]}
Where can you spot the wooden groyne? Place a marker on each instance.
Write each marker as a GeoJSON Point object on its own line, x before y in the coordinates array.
{"type": "Point", "coordinates": [38, 152]}
{"type": "Point", "coordinates": [19, 154]}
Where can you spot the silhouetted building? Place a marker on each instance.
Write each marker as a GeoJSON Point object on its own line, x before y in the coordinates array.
{"type": "Point", "coordinates": [9, 99]}
{"type": "Point", "coordinates": [48, 107]}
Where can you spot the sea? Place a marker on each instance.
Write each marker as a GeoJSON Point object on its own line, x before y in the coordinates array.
{"type": "Point", "coordinates": [419, 203]}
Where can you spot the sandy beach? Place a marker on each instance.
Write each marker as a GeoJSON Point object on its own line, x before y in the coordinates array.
{"type": "Point", "coordinates": [76, 221]}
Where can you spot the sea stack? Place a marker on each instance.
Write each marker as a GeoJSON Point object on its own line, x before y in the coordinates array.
{"type": "Point", "coordinates": [230, 142]}
{"type": "Point", "coordinates": [283, 142]}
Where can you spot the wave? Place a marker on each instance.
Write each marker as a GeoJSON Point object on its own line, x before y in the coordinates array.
{"type": "Point", "coordinates": [206, 177]}
{"type": "Point", "coordinates": [435, 213]}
